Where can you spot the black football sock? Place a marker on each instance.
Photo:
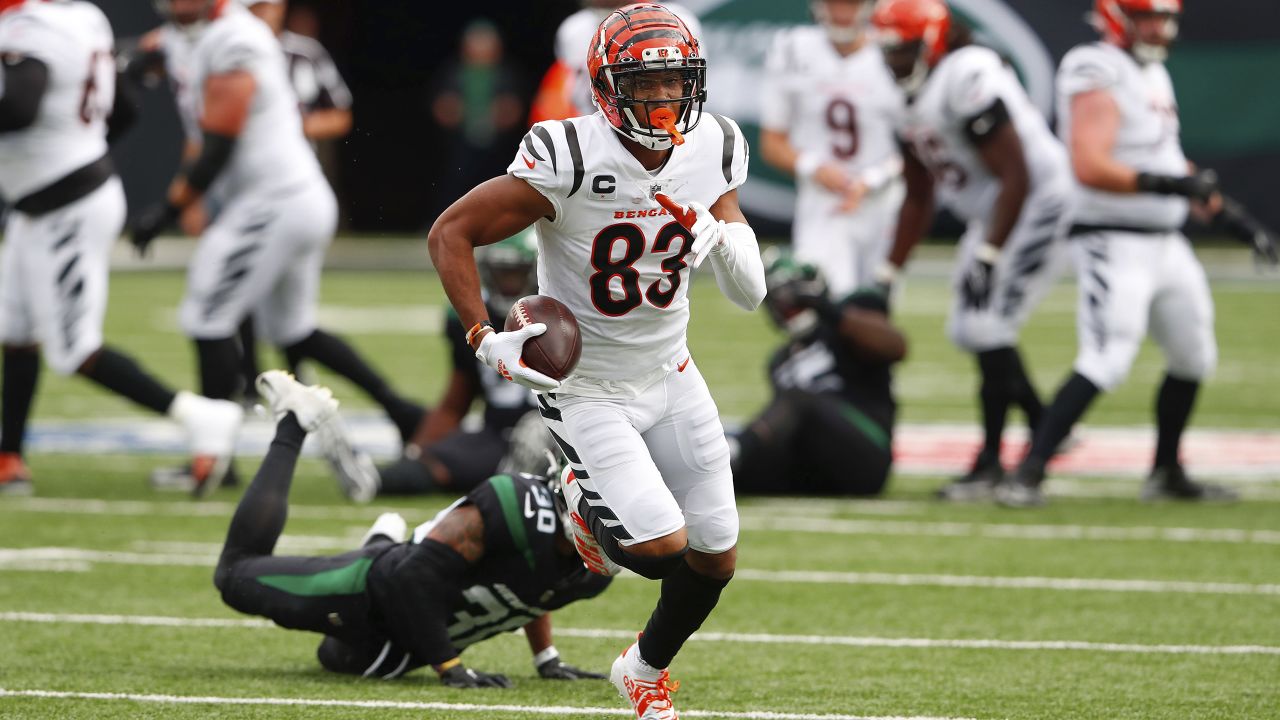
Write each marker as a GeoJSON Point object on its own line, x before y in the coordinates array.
{"type": "Point", "coordinates": [687, 599]}
{"type": "Point", "coordinates": [121, 375]}
{"type": "Point", "coordinates": [249, 357]}
{"type": "Point", "coordinates": [219, 367]}
{"type": "Point", "coordinates": [335, 354]}
{"type": "Point", "coordinates": [17, 390]}
{"type": "Point", "coordinates": [1174, 403]}
{"type": "Point", "coordinates": [259, 518]}
{"type": "Point", "coordinates": [994, 366]}
{"type": "Point", "coordinates": [1024, 392]}
{"type": "Point", "coordinates": [406, 476]}
{"type": "Point", "coordinates": [1069, 405]}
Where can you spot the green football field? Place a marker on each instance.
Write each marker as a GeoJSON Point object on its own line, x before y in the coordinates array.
{"type": "Point", "coordinates": [1095, 606]}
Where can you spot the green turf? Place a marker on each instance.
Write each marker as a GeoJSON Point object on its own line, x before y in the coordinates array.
{"type": "Point", "coordinates": [936, 385]}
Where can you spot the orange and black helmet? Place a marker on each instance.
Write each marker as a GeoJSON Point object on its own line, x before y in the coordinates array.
{"type": "Point", "coordinates": [636, 41]}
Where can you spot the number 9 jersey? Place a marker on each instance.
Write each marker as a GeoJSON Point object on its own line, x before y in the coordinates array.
{"type": "Point", "coordinates": [74, 42]}
{"type": "Point", "coordinates": [611, 252]}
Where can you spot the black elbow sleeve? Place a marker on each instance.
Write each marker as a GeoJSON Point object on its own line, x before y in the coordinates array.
{"type": "Point", "coordinates": [25, 82]}
{"type": "Point", "coordinates": [983, 126]}
{"type": "Point", "coordinates": [215, 153]}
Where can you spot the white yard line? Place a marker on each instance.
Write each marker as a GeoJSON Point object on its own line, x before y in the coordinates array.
{"type": "Point", "coordinates": [439, 706]}
{"type": "Point", "coordinates": [748, 638]}
{"type": "Point", "coordinates": [23, 558]}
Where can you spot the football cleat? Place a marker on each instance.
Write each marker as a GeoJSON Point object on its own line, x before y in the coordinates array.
{"type": "Point", "coordinates": [354, 470]}
{"type": "Point", "coordinates": [212, 427]}
{"type": "Point", "coordinates": [1172, 483]}
{"type": "Point", "coordinates": [1023, 488]}
{"type": "Point", "coordinates": [593, 556]}
{"type": "Point", "coordinates": [975, 486]}
{"type": "Point", "coordinates": [15, 478]}
{"type": "Point", "coordinates": [313, 405]}
{"type": "Point", "coordinates": [648, 689]}
{"type": "Point", "coordinates": [389, 526]}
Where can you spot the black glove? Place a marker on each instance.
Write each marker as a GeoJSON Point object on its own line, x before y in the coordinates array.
{"type": "Point", "coordinates": [153, 221]}
{"type": "Point", "coordinates": [556, 669]}
{"type": "Point", "coordinates": [461, 676]}
{"type": "Point", "coordinates": [816, 299]}
{"type": "Point", "coordinates": [1200, 186]}
{"type": "Point", "coordinates": [1238, 222]}
{"type": "Point", "coordinates": [978, 282]}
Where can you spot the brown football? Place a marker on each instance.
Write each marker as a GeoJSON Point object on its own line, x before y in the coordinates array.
{"type": "Point", "coordinates": [554, 353]}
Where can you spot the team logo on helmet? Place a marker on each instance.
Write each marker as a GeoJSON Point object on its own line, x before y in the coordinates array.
{"type": "Point", "coordinates": [648, 76]}
{"type": "Point", "coordinates": [913, 36]}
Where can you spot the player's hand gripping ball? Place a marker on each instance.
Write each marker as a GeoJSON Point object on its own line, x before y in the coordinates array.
{"type": "Point", "coordinates": [554, 353]}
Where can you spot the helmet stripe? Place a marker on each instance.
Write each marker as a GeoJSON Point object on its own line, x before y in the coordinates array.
{"type": "Point", "coordinates": [666, 32]}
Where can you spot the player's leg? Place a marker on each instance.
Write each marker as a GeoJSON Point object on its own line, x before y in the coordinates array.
{"type": "Point", "coordinates": [873, 232]}
{"type": "Point", "coordinates": [1117, 276]}
{"type": "Point", "coordinates": [823, 237]}
{"type": "Point", "coordinates": [456, 464]}
{"type": "Point", "coordinates": [1182, 324]}
{"type": "Point", "coordinates": [21, 370]}
{"type": "Point", "coordinates": [367, 657]}
{"type": "Point", "coordinates": [290, 310]}
{"type": "Point", "coordinates": [849, 452]}
{"type": "Point", "coordinates": [249, 369]}
{"type": "Point", "coordinates": [766, 459]}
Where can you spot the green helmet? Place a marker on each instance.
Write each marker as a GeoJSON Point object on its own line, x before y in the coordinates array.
{"type": "Point", "coordinates": [786, 279]}
{"type": "Point", "coordinates": [509, 269]}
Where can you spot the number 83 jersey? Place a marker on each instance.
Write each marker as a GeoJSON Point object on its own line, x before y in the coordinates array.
{"type": "Point", "coordinates": [611, 253]}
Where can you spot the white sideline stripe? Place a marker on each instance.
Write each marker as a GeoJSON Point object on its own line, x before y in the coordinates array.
{"type": "Point", "coordinates": [749, 638]}
{"type": "Point", "coordinates": [456, 707]}
{"type": "Point", "coordinates": [750, 520]}
{"type": "Point", "coordinates": [24, 556]}
{"type": "Point", "coordinates": [1008, 530]}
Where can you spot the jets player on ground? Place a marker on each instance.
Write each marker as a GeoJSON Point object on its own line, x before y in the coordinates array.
{"type": "Point", "coordinates": [67, 207]}
{"type": "Point", "coordinates": [828, 112]}
{"type": "Point", "coordinates": [829, 428]}
{"type": "Point", "coordinates": [1137, 272]}
{"type": "Point", "coordinates": [265, 250]}
{"type": "Point", "coordinates": [443, 457]}
{"type": "Point", "coordinates": [400, 603]}
{"type": "Point", "coordinates": [978, 144]}
{"type": "Point", "coordinates": [650, 488]}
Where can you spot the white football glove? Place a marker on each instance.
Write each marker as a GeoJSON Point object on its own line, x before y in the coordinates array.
{"type": "Point", "coordinates": [502, 352]}
{"type": "Point", "coordinates": [708, 232]}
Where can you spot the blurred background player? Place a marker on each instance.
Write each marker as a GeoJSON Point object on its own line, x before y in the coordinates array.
{"type": "Point", "coordinates": [442, 456]}
{"type": "Point", "coordinates": [565, 91]}
{"type": "Point", "coordinates": [978, 144]}
{"type": "Point", "coordinates": [58, 106]}
{"type": "Point", "coordinates": [650, 487]}
{"type": "Point", "coordinates": [829, 108]}
{"type": "Point", "coordinates": [399, 603]}
{"type": "Point", "coordinates": [829, 428]}
{"type": "Point", "coordinates": [265, 248]}
{"type": "Point", "coordinates": [1137, 273]}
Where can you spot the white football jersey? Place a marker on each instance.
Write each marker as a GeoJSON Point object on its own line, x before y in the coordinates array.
{"type": "Point", "coordinates": [963, 85]}
{"type": "Point", "coordinates": [612, 254]}
{"type": "Point", "coordinates": [271, 153]}
{"type": "Point", "coordinates": [75, 43]}
{"type": "Point", "coordinates": [574, 37]}
{"type": "Point", "coordinates": [1147, 139]}
{"type": "Point", "coordinates": [178, 46]}
{"type": "Point", "coordinates": [842, 108]}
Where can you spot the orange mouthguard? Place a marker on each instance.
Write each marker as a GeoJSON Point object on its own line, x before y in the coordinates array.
{"type": "Point", "coordinates": [665, 119]}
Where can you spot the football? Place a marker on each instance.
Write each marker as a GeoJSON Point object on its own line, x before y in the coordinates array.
{"type": "Point", "coordinates": [554, 353]}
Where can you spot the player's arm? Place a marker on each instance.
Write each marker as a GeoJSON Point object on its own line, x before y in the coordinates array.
{"type": "Point", "coordinates": [914, 217]}
{"type": "Point", "coordinates": [447, 415]}
{"type": "Point", "coordinates": [546, 659]}
{"type": "Point", "coordinates": [1095, 122]}
{"type": "Point", "coordinates": [735, 256]}
{"type": "Point", "coordinates": [493, 211]}
{"type": "Point", "coordinates": [993, 134]}
{"type": "Point", "coordinates": [870, 336]}
{"type": "Point", "coordinates": [23, 83]}
{"type": "Point", "coordinates": [326, 124]}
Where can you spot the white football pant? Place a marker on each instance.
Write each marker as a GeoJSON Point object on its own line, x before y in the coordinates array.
{"type": "Point", "coordinates": [54, 275]}
{"type": "Point", "coordinates": [847, 246]}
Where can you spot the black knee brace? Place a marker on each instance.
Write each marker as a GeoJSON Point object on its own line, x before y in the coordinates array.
{"type": "Point", "coordinates": [653, 568]}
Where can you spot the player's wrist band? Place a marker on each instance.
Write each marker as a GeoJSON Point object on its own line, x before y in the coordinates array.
{"type": "Point", "coordinates": [807, 164]}
{"type": "Point", "coordinates": [987, 253]}
{"type": "Point", "coordinates": [477, 332]}
{"type": "Point", "coordinates": [551, 653]}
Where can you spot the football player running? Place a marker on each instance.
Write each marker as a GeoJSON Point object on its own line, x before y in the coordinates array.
{"type": "Point", "coordinates": [978, 145]}
{"type": "Point", "coordinates": [1137, 272]}
{"type": "Point", "coordinates": [496, 560]}
{"type": "Point", "coordinates": [829, 428]}
{"type": "Point", "coordinates": [442, 456]}
{"type": "Point", "coordinates": [265, 249]}
{"type": "Point", "coordinates": [828, 112]}
{"type": "Point", "coordinates": [58, 106]}
{"type": "Point", "coordinates": [651, 487]}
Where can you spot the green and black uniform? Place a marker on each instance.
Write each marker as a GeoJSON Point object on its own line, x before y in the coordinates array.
{"type": "Point", "coordinates": [829, 427]}
{"type": "Point", "coordinates": [390, 607]}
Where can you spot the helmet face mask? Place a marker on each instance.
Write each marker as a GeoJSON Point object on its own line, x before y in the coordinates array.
{"type": "Point", "coordinates": [786, 281]}
{"type": "Point", "coordinates": [643, 58]}
{"type": "Point", "coordinates": [842, 33]}
{"type": "Point", "coordinates": [912, 34]}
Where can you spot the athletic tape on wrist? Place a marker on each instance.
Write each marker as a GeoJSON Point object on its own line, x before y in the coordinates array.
{"type": "Point", "coordinates": [549, 654]}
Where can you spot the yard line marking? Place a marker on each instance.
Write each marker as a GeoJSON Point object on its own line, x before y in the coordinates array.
{"type": "Point", "coordinates": [1008, 530]}
{"type": "Point", "coordinates": [25, 555]}
{"type": "Point", "coordinates": [703, 636]}
{"type": "Point", "coordinates": [406, 705]}
{"type": "Point", "coordinates": [90, 506]}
